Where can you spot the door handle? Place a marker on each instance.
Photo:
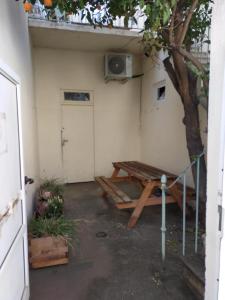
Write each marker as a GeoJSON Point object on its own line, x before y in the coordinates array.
{"type": "Point", "coordinates": [64, 141]}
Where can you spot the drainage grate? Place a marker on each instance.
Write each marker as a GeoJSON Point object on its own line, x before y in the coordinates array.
{"type": "Point", "coordinates": [101, 234]}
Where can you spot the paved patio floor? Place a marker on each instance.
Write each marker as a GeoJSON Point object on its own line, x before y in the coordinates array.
{"type": "Point", "coordinates": [123, 265]}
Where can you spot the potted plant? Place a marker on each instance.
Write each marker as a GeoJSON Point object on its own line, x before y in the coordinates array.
{"type": "Point", "coordinates": [49, 240]}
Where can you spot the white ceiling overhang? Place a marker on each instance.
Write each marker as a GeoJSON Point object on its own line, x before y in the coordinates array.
{"type": "Point", "coordinates": [80, 37]}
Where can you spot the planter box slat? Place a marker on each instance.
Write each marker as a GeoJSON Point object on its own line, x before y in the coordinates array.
{"type": "Point", "coordinates": [47, 257]}
{"type": "Point", "coordinates": [48, 251]}
{"type": "Point", "coordinates": [49, 263]}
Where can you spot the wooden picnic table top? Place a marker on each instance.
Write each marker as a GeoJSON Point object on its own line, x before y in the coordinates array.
{"type": "Point", "coordinates": [142, 171]}
{"type": "Point", "coordinates": [149, 177]}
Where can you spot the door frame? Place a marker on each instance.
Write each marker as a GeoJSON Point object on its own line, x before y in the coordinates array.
{"type": "Point", "coordinates": [221, 275]}
{"type": "Point", "coordinates": [9, 74]}
{"type": "Point", "coordinates": [76, 103]}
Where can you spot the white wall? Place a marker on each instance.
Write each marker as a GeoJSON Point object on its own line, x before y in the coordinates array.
{"type": "Point", "coordinates": [15, 51]}
{"type": "Point", "coordinates": [116, 108]}
{"type": "Point", "coordinates": [216, 145]}
{"type": "Point", "coordinates": [163, 142]}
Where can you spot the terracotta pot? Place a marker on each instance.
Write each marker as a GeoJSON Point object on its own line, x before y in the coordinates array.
{"type": "Point", "coordinates": [48, 3]}
{"type": "Point", "coordinates": [27, 6]}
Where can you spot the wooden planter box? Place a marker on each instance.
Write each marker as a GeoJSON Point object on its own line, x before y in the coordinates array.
{"type": "Point", "coordinates": [47, 251]}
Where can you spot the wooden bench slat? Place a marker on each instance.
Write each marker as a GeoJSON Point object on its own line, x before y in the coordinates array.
{"type": "Point", "coordinates": [150, 170]}
{"type": "Point", "coordinates": [149, 202]}
{"type": "Point", "coordinates": [108, 190]}
{"type": "Point", "coordinates": [131, 171]}
{"type": "Point", "coordinates": [137, 170]}
{"type": "Point", "coordinates": [152, 175]}
{"type": "Point", "coordinates": [118, 191]}
{"type": "Point", "coordinates": [159, 171]}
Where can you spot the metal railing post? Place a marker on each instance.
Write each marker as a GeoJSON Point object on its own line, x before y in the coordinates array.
{"type": "Point", "coordinates": [163, 227]}
{"type": "Point", "coordinates": [184, 215]}
{"type": "Point", "coordinates": [164, 188]}
{"type": "Point", "coordinates": [197, 203]}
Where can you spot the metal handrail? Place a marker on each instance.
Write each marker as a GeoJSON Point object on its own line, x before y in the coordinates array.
{"type": "Point", "coordinates": [164, 188]}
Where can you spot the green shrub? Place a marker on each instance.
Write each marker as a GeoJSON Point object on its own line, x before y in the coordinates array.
{"type": "Point", "coordinates": [58, 227]}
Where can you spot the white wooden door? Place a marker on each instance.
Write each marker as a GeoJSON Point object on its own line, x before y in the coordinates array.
{"type": "Point", "coordinates": [13, 237]}
{"type": "Point", "coordinates": [221, 295]}
{"type": "Point", "coordinates": [77, 139]}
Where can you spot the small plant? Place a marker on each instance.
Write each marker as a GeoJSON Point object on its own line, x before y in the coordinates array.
{"type": "Point", "coordinates": [55, 207]}
{"type": "Point", "coordinates": [50, 208]}
{"type": "Point", "coordinates": [51, 187]}
{"type": "Point", "coordinates": [50, 200]}
{"type": "Point", "coordinates": [57, 227]}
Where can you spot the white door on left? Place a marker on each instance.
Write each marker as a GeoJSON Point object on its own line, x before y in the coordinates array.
{"type": "Point", "coordinates": [13, 240]}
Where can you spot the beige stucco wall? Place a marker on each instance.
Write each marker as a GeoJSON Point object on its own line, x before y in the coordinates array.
{"type": "Point", "coordinates": [125, 128]}
{"type": "Point", "coordinates": [163, 142]}
{"type": "Point", "coordinates": [116, 108]}
{"type": "Point", "coordinates": [15, 51]}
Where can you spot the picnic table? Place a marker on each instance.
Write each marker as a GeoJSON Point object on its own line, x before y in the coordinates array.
{"type": "Point", "coordinates": [148, 177]}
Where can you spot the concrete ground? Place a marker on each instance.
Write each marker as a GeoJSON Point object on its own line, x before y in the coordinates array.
{"type": "Point", "coordinates": [123, 265]}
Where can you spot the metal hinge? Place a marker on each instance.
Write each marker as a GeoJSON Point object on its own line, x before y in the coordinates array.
{"type": "Point", "coordinates": [221, 219]}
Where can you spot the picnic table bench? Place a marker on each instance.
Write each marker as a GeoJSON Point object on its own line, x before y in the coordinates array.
{"type": "Point", "coordinates": [148, 177]}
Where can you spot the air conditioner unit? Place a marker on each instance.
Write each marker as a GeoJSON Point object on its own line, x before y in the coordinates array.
{"type": "Point", "coordinates": [118, 66]}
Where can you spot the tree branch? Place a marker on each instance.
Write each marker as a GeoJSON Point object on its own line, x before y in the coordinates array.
{"type": "Point", "coordinates": [171, 27]}
{"type": "Point", "coordinates": [170, 71]}
{"type": "Point", "coordinates": [187, 21]}
{"type": "Point", "coordinates": [189, 56]}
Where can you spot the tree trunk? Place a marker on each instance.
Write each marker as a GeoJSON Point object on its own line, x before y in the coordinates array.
{"type": "Point", "coordinates": [195, 147]}
{"type": "Point", "coordinates": [185, 83]}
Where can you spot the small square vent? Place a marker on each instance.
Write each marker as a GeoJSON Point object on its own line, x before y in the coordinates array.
{"type": "Point", "coordinates": [160, 90]}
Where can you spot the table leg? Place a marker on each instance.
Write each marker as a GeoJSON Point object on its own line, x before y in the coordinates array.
{"type": "Point", "coordinates": [115, 173]}
{"type": "Point", "coordinates": [141, 203]}
{"type": "Point", "coordinates": [177, 194]}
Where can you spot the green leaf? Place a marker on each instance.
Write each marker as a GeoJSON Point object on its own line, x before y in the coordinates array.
{"type": "Point", "coordinates": [166, 14]}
